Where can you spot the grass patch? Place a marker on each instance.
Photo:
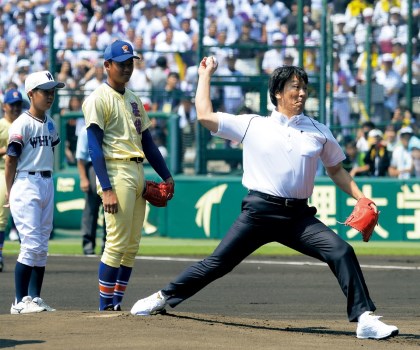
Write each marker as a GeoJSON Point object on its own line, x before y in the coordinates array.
{"type": "Point", "coordinates": [161, 246]}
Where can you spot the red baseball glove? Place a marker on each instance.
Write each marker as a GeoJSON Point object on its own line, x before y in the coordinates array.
{"type": "Point", "coordinates": [363, 218]}
{"type": "Point", "coordinates": [158, 194]}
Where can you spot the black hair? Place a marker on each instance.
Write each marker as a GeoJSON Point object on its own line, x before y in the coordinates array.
{"type": "Point", "coordinates": [161, 61]}
{"type": "Point", "coordinates": [368, 124]}
{"type": "Point", "coordinates": [279, 78]}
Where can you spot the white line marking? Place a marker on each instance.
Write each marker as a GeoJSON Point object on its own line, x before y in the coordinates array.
{"type": "Point", "coordinates": [261, 262]}
{"type": "Point", "coordinates": [270, 262]}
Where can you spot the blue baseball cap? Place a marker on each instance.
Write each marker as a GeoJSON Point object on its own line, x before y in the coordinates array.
{"type": "Point", "coordinates": [119, 51]}
{"type": "Point", "coordinates": [12, 96]}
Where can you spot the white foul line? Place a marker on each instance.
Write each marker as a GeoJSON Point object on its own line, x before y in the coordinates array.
{"type": "Point", "coordinates": [271, 262]}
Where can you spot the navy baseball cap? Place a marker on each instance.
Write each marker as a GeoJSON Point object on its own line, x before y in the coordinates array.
{"type": "Point", "coordinates": [12, 96]}
{"type": "Point", "coordinates": [119, 51]}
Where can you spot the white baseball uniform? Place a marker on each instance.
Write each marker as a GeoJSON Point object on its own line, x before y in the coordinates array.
{"type": "Point", "coordinates": [32, 194]}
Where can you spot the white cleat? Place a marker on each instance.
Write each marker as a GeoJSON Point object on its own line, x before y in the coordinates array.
{"type": "Point", "coordinates": [26, 306]}
{"type": "Point", "coordinates": [369, 327]}
{"type": "Point", "coordinates": [40, 302]}
{"type": "Point", "coordinates": [151, 305]}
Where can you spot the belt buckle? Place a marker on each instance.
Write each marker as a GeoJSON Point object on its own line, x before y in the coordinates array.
{"type": "Point", "coordinates": [287, 201]}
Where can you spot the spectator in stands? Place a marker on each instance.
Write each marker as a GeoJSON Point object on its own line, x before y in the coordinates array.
{"type": "Point", "coordinates": [414, 140]}
{"type": "Point", "coordinates": [17, 34]}
{"type": "Point", "coordinates": [311, 58]}
{"type": "Point", "coordinates": [400, 64]}
{"type": "Point", "coordinates": [5, 71]}
{"type": "Point", "coordinates": [343, 85]}
{"type": "Point", "coordinates": [170, 49]}
{"type": "Point", "coordinates": [148, 25]}
{"type": "Point", "coordinates": [402, 165]}
{"type": "Point", "coordinates": [38, 39]}
{"type": "Point", "coordinates": [170, 11]}
{"type": "Point", "coordinates": [272, 13]}
{"type": "Point", "coordinates": [362, 62]}
{"type": "Point", "coordinates": [96, 21]}
{"type": "Point", "coordinates": [66, 75]}
{"type": "Point", "coordinates": [343, 40]}
{"type": "Point", "coordinates": [95, 77]}
{"type": "Point", "coordinates": [395, 28]}
{"type": "Point", "coordinates": [248, 56]}
{"type": "Point", "coordinates": [140, 82]}
{"type": "Point", "coordinates": [124, 16]}
{"type": "Point", "coordinates": [158, 75]}
{"type": "Point", "coordinates": [398, 118]}
{"type": "Point", "coordinates": [187, 41]}
{"type": "Point", "coordinates": [230, 23]}
{"type": "Point", "coordinates": [210, 38]}
{"type": "Point", "coordinates": [390, 137]}
{"type": "Point", "coordinates": [289, 24]}
{"type": "Point", "coordinates": [81, 33]}
{"type": "Point", "coordinates": [354, 162]}
{"type": "Point", "coordinates": [61, 36]}
{"type": "Point", "coordinates": [187, 123]}
{"type": "Point", "coordinates": [109, 34]}
{"type": "Point", "coordinates": [233, 96]}
{"type": "Point", "coordinates": [72, 126]}
{"type": "Point", "coordinates": [382, 11]}
{"type": "Point", "coordinates": [23, 69]}
{"type": "Point", "coordinates": [392, 83]}
{"type": "Point", "coordinates": [274, 58]}
{"type": "Point", "coordinates": [170, 97]}
{"type": "Point", "coordinates": [192, 34]}
{"type": "Point", "coordinates": [354, 11]}
{"type": "Point", "coordinates": [415, 152]}
{"type": "Point", "coordinates": [361, 30]}
{"type": "Point", "coordinates": [377, 159]}
{"type": "Point", "coordinates": [362, 143]}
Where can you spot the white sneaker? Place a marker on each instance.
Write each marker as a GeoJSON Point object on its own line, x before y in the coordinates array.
{"type": "Point", "coordinates": [40, 302]}
{"type": "Point", "coordinates": [369, 327]}
{"type": "Point", "coordinates": [26, 306]}
{"type": "Point", "coordinates": [151, 305]}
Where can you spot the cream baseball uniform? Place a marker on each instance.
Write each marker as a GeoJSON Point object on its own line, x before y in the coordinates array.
{"type": "Point", "coordinates": [122, 118]}
{"type": "Point", "coordinates": [4, 138]}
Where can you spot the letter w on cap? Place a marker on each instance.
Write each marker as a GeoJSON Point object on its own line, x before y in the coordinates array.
{"type": "Point", "coordinates": [49, 76]}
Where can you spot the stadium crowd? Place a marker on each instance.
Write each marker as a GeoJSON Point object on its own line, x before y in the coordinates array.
{"type": "Point", "coordinates": [165, 35]}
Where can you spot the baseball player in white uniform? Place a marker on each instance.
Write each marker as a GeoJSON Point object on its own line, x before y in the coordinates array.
{"type": "Point", "coordinates": [30, 189]}
{"type": "Point", "coordinates": [280, 156]}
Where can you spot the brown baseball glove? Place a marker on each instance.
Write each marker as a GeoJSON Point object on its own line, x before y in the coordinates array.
{"type": "Point", "coordinates": [363, 218]}
{"type": "Point", "coordinates": [158, 194]}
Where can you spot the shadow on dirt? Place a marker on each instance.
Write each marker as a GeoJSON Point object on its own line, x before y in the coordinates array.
{"type": "Point", "coordinates": [11, 343]}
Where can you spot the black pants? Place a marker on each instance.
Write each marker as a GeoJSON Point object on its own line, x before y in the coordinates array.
{"type": "Point", "coordinates": [263, 221]}
{"type": "Point", "coordinates": [91, 213]}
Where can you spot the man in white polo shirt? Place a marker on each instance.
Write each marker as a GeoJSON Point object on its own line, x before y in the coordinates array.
{"type": "Point", "coordinates": [280, 156]}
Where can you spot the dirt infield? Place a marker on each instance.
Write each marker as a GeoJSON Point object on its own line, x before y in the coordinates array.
{"type": "Point", "coordinates": [279, 303]}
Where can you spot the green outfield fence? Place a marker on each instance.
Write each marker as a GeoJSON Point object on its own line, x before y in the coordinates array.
{"type": "Point", "coordinates": [204, 206]}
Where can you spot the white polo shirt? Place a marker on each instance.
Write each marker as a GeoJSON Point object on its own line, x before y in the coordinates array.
{"type": "Point", "coordinates": [280, 155]}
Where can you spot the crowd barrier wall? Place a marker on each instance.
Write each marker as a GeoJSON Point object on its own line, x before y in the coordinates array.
{"type": "Point", "coordinates": [204, 207]}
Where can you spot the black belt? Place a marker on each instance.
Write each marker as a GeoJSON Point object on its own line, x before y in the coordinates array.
{"type": "Point", "coordinates": [134, 159]}
{"type": "Point", "coordinates": [287, 202]}
{"type": "Point", "coordinates": [137, 159]}
{"type": "Point", "coordinates": [45, 173]}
